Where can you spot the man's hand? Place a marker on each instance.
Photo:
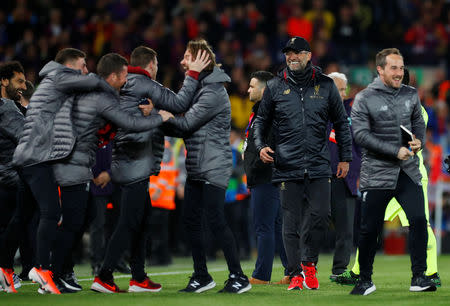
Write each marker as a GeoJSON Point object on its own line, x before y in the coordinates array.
{"type": "Point", "coordinates": [265, 156]}
{"type": "Point", "coordinates": [102, 179]}
{"type": "Point", "coordinates": [165, 115]}
{"type": "Point", "coordinates": [404, 153]}
{"type": "Point", "coordinates": [415, 144]}
{"type": "Point", "coordinates": [146, 109]}
{"type": "Point", "coordinates": [342, 169]}
{"type": "Point", "coordinates": [201, 62]}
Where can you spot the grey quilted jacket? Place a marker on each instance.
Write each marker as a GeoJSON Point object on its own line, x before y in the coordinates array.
{"type": "Point", "coordinates": [89, 113]}
{"type": "Point", "coordinates": [206, 131]}
{"type": "Point", "coordinates": [11, 125]}
{"type": "Point", "coordinates": [47, 136]}
{"type": "Point", "coordinates": [136, 156]}
{"type": "Point", "coordinates": [377, 113]}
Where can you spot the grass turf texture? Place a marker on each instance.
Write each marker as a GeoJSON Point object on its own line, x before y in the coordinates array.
{"type": "Point", "coordinates": [392, 278]}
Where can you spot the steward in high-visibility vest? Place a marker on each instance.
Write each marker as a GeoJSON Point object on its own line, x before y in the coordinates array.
{"type": "Point", "coordinates": [162, 187]}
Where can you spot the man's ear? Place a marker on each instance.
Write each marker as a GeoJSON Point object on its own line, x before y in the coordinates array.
{"type": "Point", "coordinates": [5, 82]}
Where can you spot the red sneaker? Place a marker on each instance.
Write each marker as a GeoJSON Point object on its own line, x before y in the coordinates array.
{"type": "Point", "coordinates": [145, 286]}
{"type": "Point", "coordinates": [104, 286]}
{"type": "Point", "coordinates": [296, 283]}
{"type": "Point", "coordinates": [310, 281]}
{"type": "Point", "coordinates": [6, 280]}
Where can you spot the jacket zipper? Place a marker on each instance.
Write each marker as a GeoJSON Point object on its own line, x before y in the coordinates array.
{"type": "Point", "coordinates": [303, 121]}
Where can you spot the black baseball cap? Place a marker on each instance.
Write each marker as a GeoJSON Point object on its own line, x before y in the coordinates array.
{"type": "Point", "coordinates": [297, 44]}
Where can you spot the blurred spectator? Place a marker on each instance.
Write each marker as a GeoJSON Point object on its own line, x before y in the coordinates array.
{"type": "Point", "coordinates": [322, 19]}
{"type": "Point", "coordinates": [427, 37]}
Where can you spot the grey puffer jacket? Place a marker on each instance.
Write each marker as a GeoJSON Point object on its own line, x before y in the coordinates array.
{"type": "Point", "coordinates": [90, 110]}
{"type": "Point", "coordinates": [377, 113]}
{"type": "Point", "coordinates": [206, 130]}
{"type": "Point", "coordinates": [136, 156]}
{"type": "Point", "coordinates": [47, 137]}
{"type": "Point", "coordinates": [11, 125]}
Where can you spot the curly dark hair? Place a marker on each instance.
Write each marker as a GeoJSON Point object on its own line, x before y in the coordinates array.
{"type": "Point", "coordinates": [8, 68]}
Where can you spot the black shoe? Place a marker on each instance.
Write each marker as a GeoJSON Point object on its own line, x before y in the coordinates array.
{"type": "Point", "coordinates": [24, 275]}
{"type": "Point", "coordinates": [363, 288]}
{"type": "Point", "coordinates": [61, 286]}
{"type": "Point", "coordinates": [123, 268]}
{"type": "Point", "coordinates": [70, 281]}
{"type": "Point", "coordinates": [237, 284]}
{"type": "Point", "coordinates": [199, 284]}
{"type": "Point", "coordinates": [422, 283]}
{"type": "Point", "coordinates": [435, 279]}
{"type": "Point", "coordinates": [346, 278]}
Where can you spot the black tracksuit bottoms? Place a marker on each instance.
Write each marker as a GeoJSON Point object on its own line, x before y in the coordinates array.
{"type": "Point", "coordinates": [41, 181]}
{"type": "Point", "coordinates": [306, 209]}
{"type": "Point", "coordinates": [131, 230]}
{"type": "Point", "coordinates": [374, 202]}
{"type": "Point", "coordinates": [203, 200]}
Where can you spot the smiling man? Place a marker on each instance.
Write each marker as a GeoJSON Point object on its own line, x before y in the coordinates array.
{"type": "Point", "coordinates": [298, 104]}
{"type": "Point", "coordinates": [390, 167]}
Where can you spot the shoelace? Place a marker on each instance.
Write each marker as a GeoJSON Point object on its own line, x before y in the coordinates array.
{"type": "Point", "coordinates": [310, 271]}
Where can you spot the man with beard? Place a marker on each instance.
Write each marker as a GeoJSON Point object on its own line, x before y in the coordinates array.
{"type": "Point", "coordinates": [11, 123]}
{"type": "Point", "coordinates": [297, 105]}
{"type": "Point", "coordinates": [390, 166]}
{"type": "Point", "coordinates": [205, 128]}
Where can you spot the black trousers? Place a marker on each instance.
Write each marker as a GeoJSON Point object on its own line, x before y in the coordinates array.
{"type": "Point", "coordinates": [17, 228]}
{"type": "Point", "coordinates": [131, 231]}
{"type": "Point", "coordinates": [41, 181]}
{"type": "Point", "coordinates": [306, 210]}
{"type": "Point", "coordinates": [97, 240]}
{"type": "Point", "coordinates": [205, 200]}
{"type": "Point", "coordinates": [74, 201]}
{"type": "Point", "coordinates": [342, 215]}
{"type": "Point", "coordinates": [374, 202]}
{"type": "Point", "coordinates": [8, 199]}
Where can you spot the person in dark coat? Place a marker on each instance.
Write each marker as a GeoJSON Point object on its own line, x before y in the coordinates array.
{"type": "Point", "coordinates": [265, 197]}
{"type": "Point", "coordinates": [343, 190]}
{"type": "Point", "coordinates": [205, 128]}
{"type": "Point", "coordinates": [12, 77]}
{"type": "Point", "coordinates": [297, 105]}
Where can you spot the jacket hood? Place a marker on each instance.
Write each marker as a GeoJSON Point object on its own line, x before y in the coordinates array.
{"type": "Point", "coordinates": [51, 66]}
{"type": "Point", "coordinates": [216, 76]}
{"type": "Point", "coordinates": [377, 84]}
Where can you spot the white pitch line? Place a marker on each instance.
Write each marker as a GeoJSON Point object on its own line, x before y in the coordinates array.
{"type": "Point", "coordinates": [150, 274]}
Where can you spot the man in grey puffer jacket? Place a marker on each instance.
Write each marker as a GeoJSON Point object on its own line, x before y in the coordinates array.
{"type": "Point", "coordinates": [48, 135]}
{"type": "Point", "coordinates": [134, 160]}
{"type": "Point", "coordinates": [206, 131]}
{"type": "Point", "coordinates": [389, 166]}
{"type": "Point", "coordinates": [73, 173]}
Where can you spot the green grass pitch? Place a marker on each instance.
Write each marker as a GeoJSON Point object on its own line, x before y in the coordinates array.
{"type": "Point", "coordinates": [392, 278]}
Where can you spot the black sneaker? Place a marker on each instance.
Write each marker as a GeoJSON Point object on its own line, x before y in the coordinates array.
{"type": "Point", "coordinates": [199, 284]}
{"type": "Point", "coordinates": [70, 281]}
{"type": "Point", "coordinates": [435, 279]}
{"type": "Point", "coordinates": [347, 278]}
{"type": "Point", "coordinates": [61, 286]}
{"type": "Point", "coordinates": [236, 284]}
{"type": "Point", "coordinates": [363, 288]}
{"type": "Point", "coordinates": [422, 283]}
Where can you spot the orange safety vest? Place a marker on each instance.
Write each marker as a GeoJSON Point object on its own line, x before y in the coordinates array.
{"type": "Point", "coordinates": [162, 187]}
